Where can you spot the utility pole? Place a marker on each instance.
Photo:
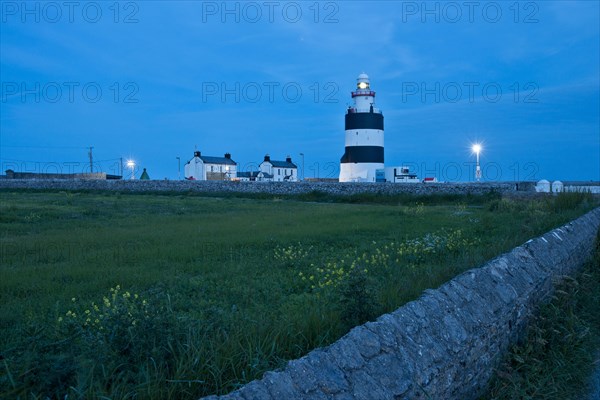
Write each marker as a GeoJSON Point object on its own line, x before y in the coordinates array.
{"type": "Point", "coordinates": [121, 167]}
{"type": "Point", "coordinates": [477, 149]}
{"type": "Point", "coordinates": [91, 160]}
{"type": "Point", "coordinates": [178, 167]}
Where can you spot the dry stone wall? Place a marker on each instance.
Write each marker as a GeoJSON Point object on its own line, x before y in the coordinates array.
{"type": "Point", "coordinates": [443, 345]}
{"type": "Point", "coordinates": [277, 188]}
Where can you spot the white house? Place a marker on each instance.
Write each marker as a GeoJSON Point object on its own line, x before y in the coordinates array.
{"type": "Point", "coordinates": [279, 171]}
{"type": "Point", "coordinates": [208, 168]}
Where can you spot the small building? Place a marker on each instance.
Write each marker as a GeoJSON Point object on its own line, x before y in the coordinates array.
{"type": "Point", "coordinates": [557, 187]}
{"type": "Point", "coordinates": [400, 174]}
{"type": "Point", "coordinates": [145, 176]}
{"type": "Point", "coordinates": [279, 171]}
{"type": "Point", "coordinates": [430, 180]}
{"type": "Point", "coordinates": [209, 168]}
{"type": "Point", "coordinates": [247, 176]}
{"type": "Point", "coordinates": [543, 186]}
{"type": "Point", "coordinates": [254, 176]}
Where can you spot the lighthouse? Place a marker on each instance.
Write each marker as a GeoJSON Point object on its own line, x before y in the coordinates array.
{"type": "Point", "coordinates": [364, 136]}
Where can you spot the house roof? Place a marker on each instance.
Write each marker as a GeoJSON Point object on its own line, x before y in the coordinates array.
{"type": "Point", "coordinates": [282, 164]}
{"type": "Point", "coordinates": [217, 160]}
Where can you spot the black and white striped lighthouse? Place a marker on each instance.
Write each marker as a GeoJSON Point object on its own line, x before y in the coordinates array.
{"type": "Point", "coordinates": [364, 136]}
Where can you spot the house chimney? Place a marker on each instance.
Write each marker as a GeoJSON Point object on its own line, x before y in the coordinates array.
{"type": "Point", "coordinates": [288, 159]}
{"type": "Point", "coordinates": [196, 154]}
{"type": "Point", "coordinates": [228, 156]}
{"type": "Point", "coordinates": [267, 158]}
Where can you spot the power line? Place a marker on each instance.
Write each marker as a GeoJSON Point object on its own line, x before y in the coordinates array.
{"type": "Point", "coordinates": [66, 162]}
{"type": "Point", "coordinates": [110, 159]}
{"type": "Point", "coordinates": [42, 147]}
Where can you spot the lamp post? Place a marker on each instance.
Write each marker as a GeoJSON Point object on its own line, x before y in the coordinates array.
{"type": "Point", "coordinates": [178, 167]}
{"type": "Point", "coordinates": [302, 155]}
{"type": "Point", "coordinates": [477, 149]}
{"type": "Point", "coordinates": [131, 164]}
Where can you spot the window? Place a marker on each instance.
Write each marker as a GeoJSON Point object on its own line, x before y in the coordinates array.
{"type": "Point", "coordinates": [278, 171]}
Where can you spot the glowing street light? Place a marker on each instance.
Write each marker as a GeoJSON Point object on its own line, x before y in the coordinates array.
{"type": "Point", "coordinates": [131, 164]}
{"type": "Point", "coordinates": [477, 149]}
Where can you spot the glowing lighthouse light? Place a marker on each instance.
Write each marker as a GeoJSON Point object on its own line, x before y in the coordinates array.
{"type": "Point", "coordinates": [363, 154]}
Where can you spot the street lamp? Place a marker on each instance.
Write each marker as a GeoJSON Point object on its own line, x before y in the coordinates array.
{"type": "Point", "coordinates": [131, 164]}
{"type": "Point", "coordinates": [178, 167]}
{"type": "Point", "coordinates": [302, 155]}
{"type": "Point", "coordinates": [477, 149]}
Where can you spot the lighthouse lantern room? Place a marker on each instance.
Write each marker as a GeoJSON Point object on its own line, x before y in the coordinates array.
{"type": "Point", "coordinates": [363, 155]}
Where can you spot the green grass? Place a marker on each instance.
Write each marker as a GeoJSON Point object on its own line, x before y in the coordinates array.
{"type": "Point", "coordinates": [213, 291]}
{"type": "Point", "coordinates": [556, 358]}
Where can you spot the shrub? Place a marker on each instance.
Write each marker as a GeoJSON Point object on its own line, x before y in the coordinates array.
{"type": "Point", "coordinates": [357, 298]}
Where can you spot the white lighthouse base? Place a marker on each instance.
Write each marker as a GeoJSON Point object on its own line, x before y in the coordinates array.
{"type": "Point", "coordinates": [359, 172]}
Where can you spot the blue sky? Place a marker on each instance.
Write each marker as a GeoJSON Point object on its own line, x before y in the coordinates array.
{"type": "Point", "coordinates": [154, 80]}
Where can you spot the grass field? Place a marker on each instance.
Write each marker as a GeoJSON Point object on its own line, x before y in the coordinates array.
{"type": "Point", "coordinates": [178, 296]}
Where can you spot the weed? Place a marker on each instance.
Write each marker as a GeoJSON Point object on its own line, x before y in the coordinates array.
{"type": "Point", "coordinates": [569, 200]}
{"type": "Point", "coordinates": [357, 298]}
